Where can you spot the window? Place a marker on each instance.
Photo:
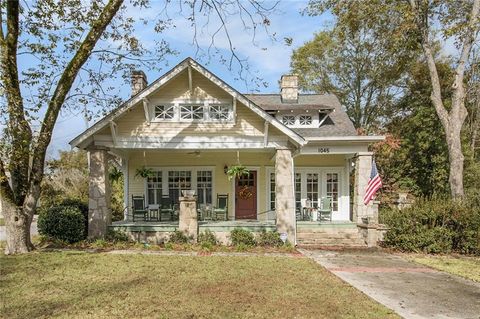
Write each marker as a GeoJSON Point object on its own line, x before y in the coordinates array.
{"type": "Point", "coordinates": [272, 191]}
{"type": "Point", "coordinates": [220, 112]}
{"type": "Point", "coordinates": [298, 192]}
{"type": "Point", "coordinates": [178, 181]}
{"type": "Point", "coordinates": [164, 112]}
{"type": "Point", "coordinates": [312, 189]}
{"type": "Point", "coordinates": [305, 120]}
{"type": "Point", "coordinates": [154, 188]}
{"type": "Point", "coordinates": [288, 120]}
{"type": "Point", "coordinates": [332, 189]}
{"type": "Point", "coordinates": [204, 187]}
{"type": "Point", "coordinates": [191, 112]}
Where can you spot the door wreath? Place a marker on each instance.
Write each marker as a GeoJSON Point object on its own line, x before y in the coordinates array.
{"type": "Point", "coordinates": [245, 193]}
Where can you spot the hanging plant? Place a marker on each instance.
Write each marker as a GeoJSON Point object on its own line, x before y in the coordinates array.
{"type": "Point", "coordinates": [144, 172]}
{"type": "Point", "coordinates": [114, 174]}
{"type": "Point", "coordinates": [235, 171]}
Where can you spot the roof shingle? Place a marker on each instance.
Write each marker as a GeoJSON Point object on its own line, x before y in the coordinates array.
{"type": "Point", "coordinates": [338, 125]}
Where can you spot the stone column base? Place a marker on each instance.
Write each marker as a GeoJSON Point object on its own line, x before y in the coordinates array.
{"type": "Point", "coordinates": [188, 223]}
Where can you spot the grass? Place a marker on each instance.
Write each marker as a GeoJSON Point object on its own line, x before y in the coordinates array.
{"type": "Point", "coordinates": [101, 285]}
{"type": "Point", "coordinates": [2, 222]}
{"type": "Point", "coordinates": [467, 267]}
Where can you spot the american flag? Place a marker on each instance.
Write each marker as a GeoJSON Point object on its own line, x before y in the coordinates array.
{"type": "Point", "coordinates": [374, 183]}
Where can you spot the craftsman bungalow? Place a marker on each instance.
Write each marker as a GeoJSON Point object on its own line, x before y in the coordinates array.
{"type": "Point", "coordinates": [187, 128]}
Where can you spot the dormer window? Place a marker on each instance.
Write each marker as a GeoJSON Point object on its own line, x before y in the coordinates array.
{"type": "Point", "coordinates": [164, 112]}
{"type": "Point", "coordinates": [305, 119]}
{"type": "Point", "coordinates": [288, 120]}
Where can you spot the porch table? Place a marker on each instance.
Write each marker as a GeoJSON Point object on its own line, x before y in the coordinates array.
{"type": "Point", "coordinates": [309, 213]}
{"type": "Point", "coordinates": [205, 212]}
{"type": "Point", "coordinates": [153, 213]}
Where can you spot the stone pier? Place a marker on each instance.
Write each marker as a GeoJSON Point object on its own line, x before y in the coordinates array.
{"type": "Point", "coordinates": [188, 222]}
{"type": "Point", "coordinates": [99, 213]}
{"type": "Point", "coordinates": [284, 194]}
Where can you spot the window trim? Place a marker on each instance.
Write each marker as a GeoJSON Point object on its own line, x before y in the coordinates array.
{"type": "Point", "coordinates": [343, 193]}
{"type": "Point", "coordinates": [192, 169]}
{"type": "Point", "coordinates": [205, 104]}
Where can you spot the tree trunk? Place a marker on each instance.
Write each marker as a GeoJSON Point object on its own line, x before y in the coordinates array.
{"type": "Point", "coordinates": [456, 160]}
{"type": "Point", "coordinates": [17, 224]}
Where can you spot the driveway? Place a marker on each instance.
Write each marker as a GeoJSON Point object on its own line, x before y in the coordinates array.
{"type": "Point", "coordinates": [411, 290]}
{"type": "Point", "coordinates": [33, 229]}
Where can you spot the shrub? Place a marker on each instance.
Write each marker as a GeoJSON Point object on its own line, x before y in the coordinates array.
{"type": "Point", "coordinates": [241, 236]}
{"type": "Point", "coordinates": [178, 237]}
{"type": "Point", "coordinates": [207, 238]}
{"type": "Point", "coordinates": [81, 205]}
{"type": "Point", "coordinates": [435, 225]}
{"type": "Point", "coordinates": [271, 238]}
{"type": "Point", "coordinates": [64, 223]}
{"type": "Point", "coordinates": [117, 236]}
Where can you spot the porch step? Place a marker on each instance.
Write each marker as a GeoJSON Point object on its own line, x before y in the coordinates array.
{"type": "Point", "coordinates": [324, 237]}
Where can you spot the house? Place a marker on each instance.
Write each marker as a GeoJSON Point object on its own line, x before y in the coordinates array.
{"type": "Point", "coordinates": [189, 127]}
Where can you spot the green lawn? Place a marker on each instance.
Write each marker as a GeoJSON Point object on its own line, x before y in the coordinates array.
{"type": "Point", "coordinates": [467, 267]}
{"type": "Point", "coordinates": [100, 285]}
{"type": "Point", "coordinates": [2, 222]}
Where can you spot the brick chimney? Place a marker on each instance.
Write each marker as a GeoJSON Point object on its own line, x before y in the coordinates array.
{"type": "Point", "coordinates": [289, 88]}
{"type": "Point", "coordinates": [139, 81]}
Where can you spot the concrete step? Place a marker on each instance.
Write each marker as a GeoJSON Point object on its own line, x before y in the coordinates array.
{"type": "Point", "coordinates": [318, 235]}
{"type": "Point", "coordinates": [344, 238]}
{"type": "Point", "coordinates": [328, 230]}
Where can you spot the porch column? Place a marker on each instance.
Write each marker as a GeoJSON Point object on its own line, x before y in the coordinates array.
{"type": "Point", "coordinates": [363, 167]}
{"type": "Point", "coordinates": [99, 213]}
{"type": "Point", "coordinates": [284, 194]}
{"type": "Point", "coordinates": [188, 223]}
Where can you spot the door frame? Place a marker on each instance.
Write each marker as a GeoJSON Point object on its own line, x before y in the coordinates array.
{"type": "Point", "coordinates": [250, 168]}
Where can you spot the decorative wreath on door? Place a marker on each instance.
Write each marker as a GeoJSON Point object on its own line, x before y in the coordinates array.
{"type": "Point", "coordinates": [245, 193]}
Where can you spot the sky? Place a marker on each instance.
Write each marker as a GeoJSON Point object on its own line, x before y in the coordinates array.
{"type": "Point", "coordinates": [266, 58]}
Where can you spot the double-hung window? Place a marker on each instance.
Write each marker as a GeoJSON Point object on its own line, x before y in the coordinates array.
{"type": "Point", "coordinates": [204, 187]}
{"type": "Point", "coordinates": [178, 181]}
{"type": "Point", "coordinates": [332, 189]}
{"type": "Point", "coordinates": [154, 188]}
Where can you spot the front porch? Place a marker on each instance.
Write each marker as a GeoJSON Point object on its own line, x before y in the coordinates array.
{"type": "Point", "coordinates": [285, 192]}
{"type": "Point", "coordinates": [159, 232]}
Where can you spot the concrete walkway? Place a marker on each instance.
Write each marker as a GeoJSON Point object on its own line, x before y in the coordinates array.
{"type": "Point", "coordinates": [411, 290]}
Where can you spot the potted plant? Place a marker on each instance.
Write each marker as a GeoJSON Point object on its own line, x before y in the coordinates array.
{"type": "Point", "coordinates": [235, 171]}
{"type": "Point", "coordinates": [144, 172]}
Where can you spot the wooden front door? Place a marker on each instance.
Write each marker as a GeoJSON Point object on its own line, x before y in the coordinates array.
{"type": "Point", "coordinates": [246, 196]}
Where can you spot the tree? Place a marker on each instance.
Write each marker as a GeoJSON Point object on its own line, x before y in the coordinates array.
{"type": "Point", "coordinates": [359, 60]}
{"type": "Point", "coordinates": [455, 20]}
{"type": "Point", "coordinates": [60, 54]}
{"type": "Point", "coordinates": [65, 178]}
{"type": "Point", "coordinates": [419, 162]}
{"type": "Point", "coordinates": [463, 19]}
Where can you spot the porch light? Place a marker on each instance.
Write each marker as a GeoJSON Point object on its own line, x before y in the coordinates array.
{"type": "Point", "coordinates": [225, 169]}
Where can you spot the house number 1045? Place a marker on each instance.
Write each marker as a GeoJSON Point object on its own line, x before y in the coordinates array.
{"type": "Point", "coordinates": [324, 150]}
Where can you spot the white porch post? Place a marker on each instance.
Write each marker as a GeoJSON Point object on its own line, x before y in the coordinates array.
{"type": "Point", "coordinates": [363, 167]}
{"type": "Point", "coordinates": [284, 194]}
{"type": "Point", "coordinates": [125, 187]}
{"type": "Point", "coordinates": [99, 213]}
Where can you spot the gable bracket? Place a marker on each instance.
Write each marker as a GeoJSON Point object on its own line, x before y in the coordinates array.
{"type": "Point", "coordinates": [113, 130]}
{"type": "Point", "coordinates": [146, 109]}
{"type": "Point", "coordinates": [265, 134]}
{"type": "Point", "coordinates": [190, 80]}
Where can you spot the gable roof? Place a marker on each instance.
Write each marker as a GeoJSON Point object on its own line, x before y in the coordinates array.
{"type": "Point", "coordinates": [337, 123]}
{"type": "Point", "coordinates": [179, 68]}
